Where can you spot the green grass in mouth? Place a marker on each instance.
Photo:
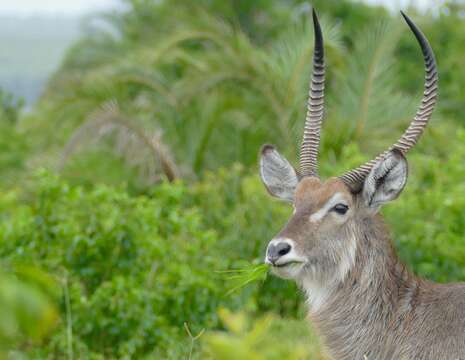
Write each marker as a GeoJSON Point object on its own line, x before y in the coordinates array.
{"type": "Point", "coordinates": [240, 278]}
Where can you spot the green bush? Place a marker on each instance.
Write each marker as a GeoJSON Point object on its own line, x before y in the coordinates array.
{"type": "Point", "coordinates": [13, 144]}
{"type": "Point", "coordinates": [27, 312]}
{"type": "Point", "coordinates": [206, 86]}
{"type": "Point", "coordinates": [10, 108]}
{"type": "Point", "coordinates": [257, 341]}
{"type": "Point", "coordinates": [138, 267]}
{"type": "Point", "coordinates": [428, 221]}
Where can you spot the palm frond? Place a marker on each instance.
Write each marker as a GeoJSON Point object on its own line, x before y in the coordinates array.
{"type": "Point", "coordinates": [366, 99]}
{"type": "Point", "coordinates": [145, 151]}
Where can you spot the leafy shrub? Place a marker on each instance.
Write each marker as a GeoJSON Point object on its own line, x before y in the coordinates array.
{"type": "Point", "coordinates": [13, 144]}
{"type": "Point", "coordinates": [10, 108]}
{"type": "Point", "coordinates": [138, 267]}
{"type": "Point", "coordinates": [217, 80]}
{"type": "Point", "coordinates": [27, 313]}
{"type": "Point", "coordinates": [428, 221]}
{"type": "Point", "coordinates": [257, 341]}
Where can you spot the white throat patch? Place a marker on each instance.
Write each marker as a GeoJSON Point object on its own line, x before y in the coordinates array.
{"type": "Point", "coordinates": [318, 292]}
{"type": "Point", "coordinates": [348, 260]}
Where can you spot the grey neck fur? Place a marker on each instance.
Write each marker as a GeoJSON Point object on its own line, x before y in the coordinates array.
{"type": "Point", "coordinates": [380, 310]}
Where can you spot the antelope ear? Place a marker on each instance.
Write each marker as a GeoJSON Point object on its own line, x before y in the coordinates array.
{"type": "Point", "coordinates": [278, 175]}
{"type": "Point", "coordinates": [386, 180]}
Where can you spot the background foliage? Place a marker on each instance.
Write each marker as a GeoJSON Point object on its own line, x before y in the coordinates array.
{"type": "Point", "coordinates": [132, 183]}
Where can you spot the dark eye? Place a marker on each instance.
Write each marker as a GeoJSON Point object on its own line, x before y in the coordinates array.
{"type": "Point", "coordinates": [341, 209]}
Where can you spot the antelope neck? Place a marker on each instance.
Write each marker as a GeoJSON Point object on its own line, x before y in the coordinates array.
{"type": "Point", "coordinates": [374, 297]}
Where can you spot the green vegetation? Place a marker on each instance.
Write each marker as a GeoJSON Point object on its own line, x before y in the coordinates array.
{"type": "Point", "coordinates": [130, 191]}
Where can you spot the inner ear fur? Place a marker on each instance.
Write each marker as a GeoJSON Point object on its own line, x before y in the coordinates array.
{"type": "Point", "coordinates": [278, 175]}
{"type": "Point", "coordinates": [386, 179]}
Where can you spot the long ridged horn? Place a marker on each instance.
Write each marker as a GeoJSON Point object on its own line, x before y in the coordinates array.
{"type": "Point", "coordinates": [354, 178]}
{"type": "Point", "coordinates": [315, 107]}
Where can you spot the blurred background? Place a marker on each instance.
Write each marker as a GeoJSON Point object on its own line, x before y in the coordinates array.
{"type": "Point", "coordinates": [129, 134]}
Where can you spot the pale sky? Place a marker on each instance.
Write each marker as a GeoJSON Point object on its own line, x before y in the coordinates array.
{"type": "Point", "coordinates": [403, 4]}
{"type": "Point", "coordinates": [76, 7]}
{"type": "Point", "coordinates": [72, 7]}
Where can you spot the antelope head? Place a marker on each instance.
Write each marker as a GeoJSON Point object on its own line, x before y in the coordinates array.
{"type": "Point", "coordinates": [320, 240]}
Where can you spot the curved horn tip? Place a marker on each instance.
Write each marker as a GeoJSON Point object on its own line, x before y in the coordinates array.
{"type": "Point", "coordinates": [317, 27]}
{"type": "Point", "coordinates": [314, 15]}
{"type": "Point", "coordinates": [406, 17]}
{"type": "Point", "coordinates": [417, 32]}
{"type": "Point", "coordinates": [354, 178]}
{"type": "Point", "coordinates": [410, 23]}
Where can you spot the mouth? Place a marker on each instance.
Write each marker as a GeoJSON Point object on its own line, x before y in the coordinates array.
{"type": "Point", "coordinates": [288, 270]}
{"type": "Point", "coordinates": [289, 263]}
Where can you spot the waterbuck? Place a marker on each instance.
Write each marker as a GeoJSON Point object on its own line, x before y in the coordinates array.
{"type": "Point", "coordinates": [362, 300]}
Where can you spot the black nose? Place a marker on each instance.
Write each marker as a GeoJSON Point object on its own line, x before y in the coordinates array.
{"type": "Point", "coordinates": [275, 251]}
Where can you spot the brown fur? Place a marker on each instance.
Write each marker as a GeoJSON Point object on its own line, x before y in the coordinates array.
{"type": "Point", "coordinates": [377, 308]}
